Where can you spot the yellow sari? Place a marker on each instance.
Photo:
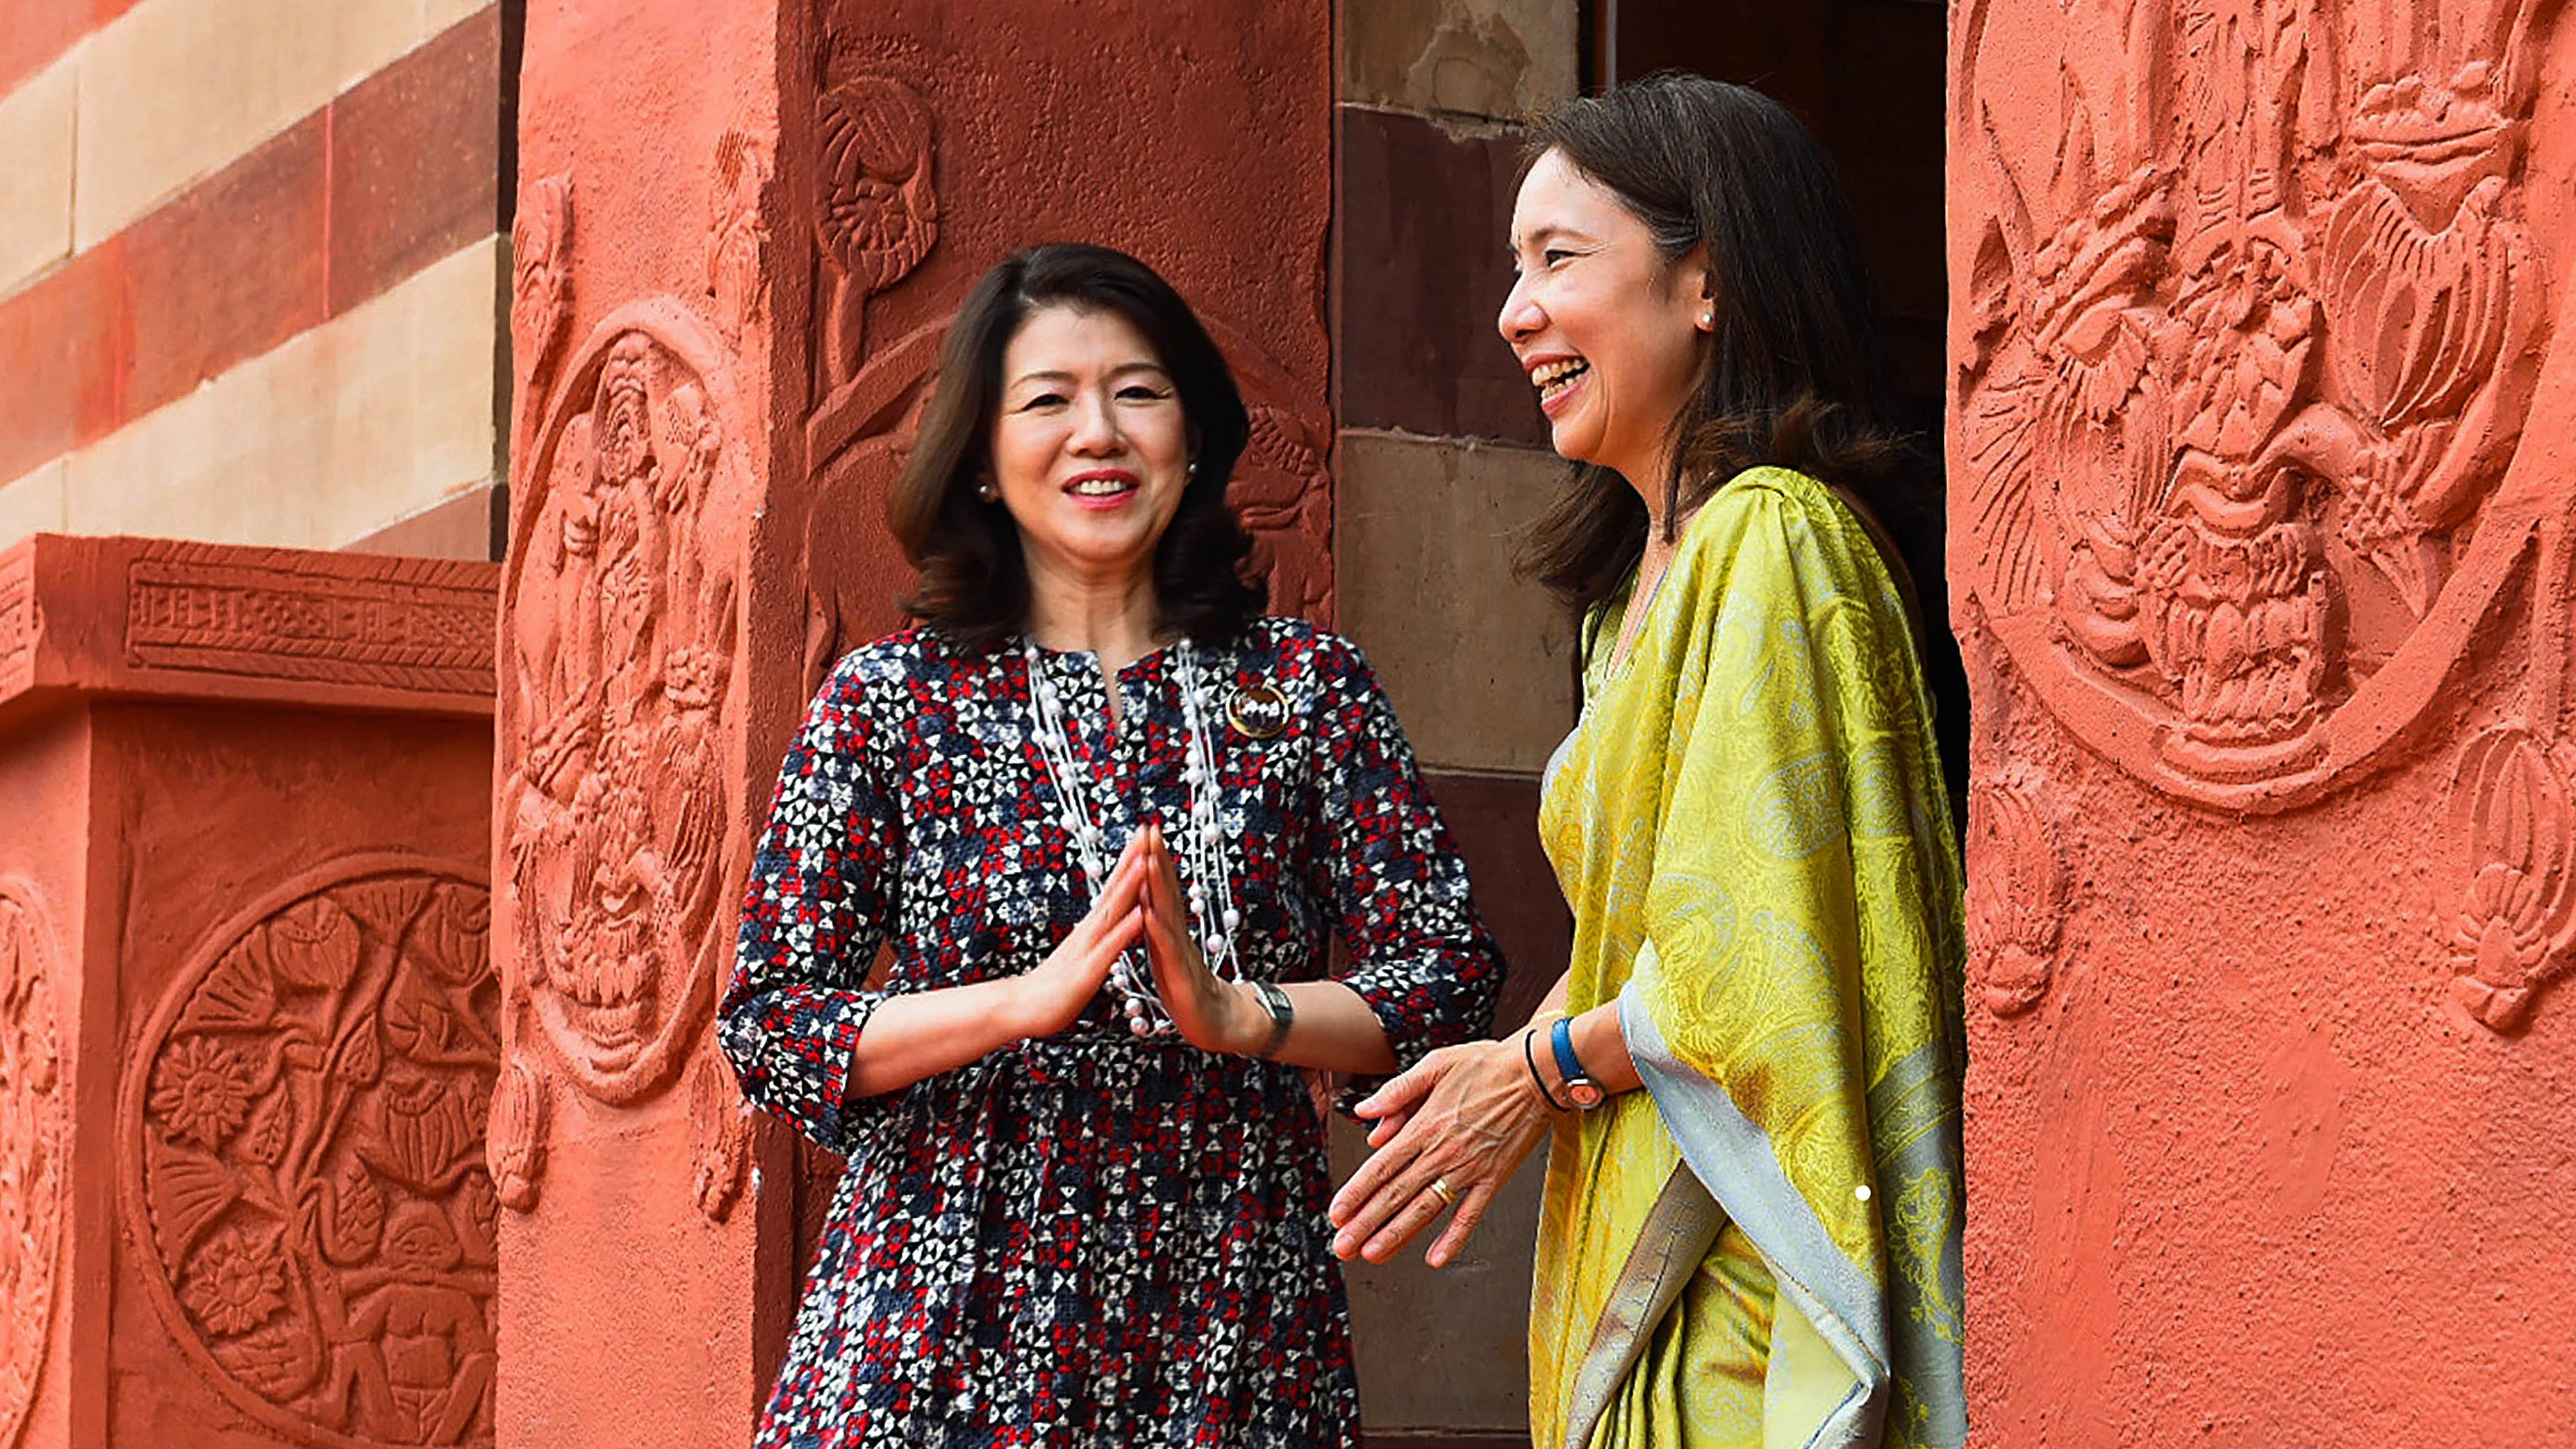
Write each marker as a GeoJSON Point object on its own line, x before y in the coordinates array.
{"type": "Point", "coordinates": [1761, 1248]}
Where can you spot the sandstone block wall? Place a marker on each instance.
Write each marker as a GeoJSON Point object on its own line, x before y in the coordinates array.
{"type": "Point", "coordinates": [1442, 457]}
{"type": "Point", "coordinates": [250, 275]}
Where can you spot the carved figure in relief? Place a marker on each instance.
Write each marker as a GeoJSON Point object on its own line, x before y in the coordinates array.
{"type": "Point", "coordinates": [2239, 374]}
{"type": "Point", "coordinates": [738, 237]}
{"type": "Point", "coordinates": [302, 1132]}
{"type": "Point", "coordinates": [1285, 496]}
{"type": "Point", "coordinates": [32, 1154]}
{"type": "Point", "coordinates": [878, 207]}
{"type": "Point", "coordinates": [622, 645]}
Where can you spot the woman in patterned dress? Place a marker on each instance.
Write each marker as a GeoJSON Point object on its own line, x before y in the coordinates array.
{"type": "Point", "coordinates": [1054, 1229]}
{"type": "Point", "coordinates": [1749, 1232]}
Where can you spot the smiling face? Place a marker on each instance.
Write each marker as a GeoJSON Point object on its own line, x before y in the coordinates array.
{"type": "Point", "coordinates": [1090, 447]}
{"type": "Point", "coordinates": [1610, 333]}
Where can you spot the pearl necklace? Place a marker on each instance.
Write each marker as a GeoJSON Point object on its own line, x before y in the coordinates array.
{"type": "Point", "coordinates": [1214, 918]}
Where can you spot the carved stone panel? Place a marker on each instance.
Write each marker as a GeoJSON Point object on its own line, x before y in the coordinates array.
{"type": "Point", "coordinates": [17, 619]}
{"type": "Point", "coordinates": [2514, 932]}
{"type": "Point", "coordinates": [33, 1152]}
{"type": "Point", "coordinates": [877, 209]}
{"type": "Point", "coordinates": [615, 802]}
{"type": "Point", "coordinates": [206, 608]}
{"type": "Point", "coordinates": [2248, 310]}
{"type": "Point", "coordinates": [300, 1130]}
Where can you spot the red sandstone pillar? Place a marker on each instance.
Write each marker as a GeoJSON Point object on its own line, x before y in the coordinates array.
{"type": "Point", "coordinates": [2264, 382]}
{"type": "Point", "coordinates": [246, 1007]}
{"type": "Point", "coordinates": [741, 229]}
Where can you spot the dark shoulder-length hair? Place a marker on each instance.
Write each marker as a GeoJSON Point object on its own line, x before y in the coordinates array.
{"type": "Point", "coordinates": [1796, 374]}
{"type": "Point", "coordinates": [974, 587]}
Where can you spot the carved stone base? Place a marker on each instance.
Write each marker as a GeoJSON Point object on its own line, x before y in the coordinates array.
{"type": "Point", "coordinates": [248, 1020]}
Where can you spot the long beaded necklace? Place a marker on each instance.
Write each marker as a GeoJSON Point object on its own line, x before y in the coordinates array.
{"type": "Point", "coordinates": [1214, 917]}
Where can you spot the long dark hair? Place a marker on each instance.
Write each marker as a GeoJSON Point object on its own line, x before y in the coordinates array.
{"type": "Point", "coordinates": [1797, 375]}
{"type": "Point", "coordinates": [974, 587]}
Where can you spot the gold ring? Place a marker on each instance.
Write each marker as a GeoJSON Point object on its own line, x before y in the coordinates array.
{"type": "Point", "coordinates": [1448, 1194]}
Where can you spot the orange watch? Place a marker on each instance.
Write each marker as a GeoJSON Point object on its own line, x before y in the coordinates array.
{"type": "Point", "coordinates": [1580, 1089]}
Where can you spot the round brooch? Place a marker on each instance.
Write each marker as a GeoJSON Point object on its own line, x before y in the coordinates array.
{"type": "Point", "coordinates": [1257, 710]}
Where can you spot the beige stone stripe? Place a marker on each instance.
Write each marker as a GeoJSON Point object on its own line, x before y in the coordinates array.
{"type": "Point", "coordinates": [173, 89]}
{"type": "Point", "coordinates": [33, 503]}
{"type": "Point", "coordinates": [366, 419]}
{"type": "Point", "coordinates": [1478, 662]}
{"type": "Point", "coordinates": [36, 173]}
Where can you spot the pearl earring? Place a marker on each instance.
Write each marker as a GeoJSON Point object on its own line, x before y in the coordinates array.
{"type": "Point", "coordinates": [986, 491]}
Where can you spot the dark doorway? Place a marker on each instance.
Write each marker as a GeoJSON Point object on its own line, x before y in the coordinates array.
{"type": "Point", "coordinates": [1866, 77]}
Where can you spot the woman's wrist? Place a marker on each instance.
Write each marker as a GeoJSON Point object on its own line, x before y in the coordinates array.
{"type": "Point", "coordinates": [1018, 1009]}
{"type": "Point", "coordinates": [1533, 1070]}
{"type": "Point", "coordinates": [1244, 1022]}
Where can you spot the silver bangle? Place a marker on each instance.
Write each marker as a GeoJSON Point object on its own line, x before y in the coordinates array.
{"type": "Point", "coordinates": [1283, 1015]}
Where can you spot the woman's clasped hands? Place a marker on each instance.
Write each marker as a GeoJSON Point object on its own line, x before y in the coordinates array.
{"type": "Point", "coordinates": [1209, 1012]}
{"type": "Point", "coordinates": [1053, 994]}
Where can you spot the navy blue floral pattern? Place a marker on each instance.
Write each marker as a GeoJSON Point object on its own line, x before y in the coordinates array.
{"type": "Point", "coordinates": [1091, 1239]}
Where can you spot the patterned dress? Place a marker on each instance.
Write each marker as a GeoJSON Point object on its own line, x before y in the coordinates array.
{"type": "Point", "coordinates": [1090, 1239]}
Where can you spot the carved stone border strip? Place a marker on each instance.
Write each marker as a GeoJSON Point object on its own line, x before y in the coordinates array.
{"type": "Point", "coordinates": [17, 620]}
{"type": "Point", "coordinates": [264, 620]}
{"type": "Point", "coordinates": [32, 1094]}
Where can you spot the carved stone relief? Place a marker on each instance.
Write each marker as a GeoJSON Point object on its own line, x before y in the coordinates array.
{"type": "Point", "coordinates": [738, 236]}
{"type": "Point", "coordinates": [2514, 808]}
{"type": "Point", "coordinates": [1285, 495]}
{"type": "Point", "coordinates": [514, 1143]}
{"type": "Point", "coordinates": [2250, 314]}
{"type": "Point", "coordinates": [720, 1135]}
{"type": "Point", "coordinates": [2017, 896]}
{"type": "Point", "coordinates": [540, 282]}
{"type": "Point", "coordinates": [615, 803]}
{"type": "Point", "coordinates": [877, 214]}
{"type": "Point", "coordinates": [17, 621]}
{"type": "Point", "coordinates": [33, 1153]}
{"type": "Point", "coordinates": [401, 629]}
{"type": "Point", "coordinates": [302, 1159]}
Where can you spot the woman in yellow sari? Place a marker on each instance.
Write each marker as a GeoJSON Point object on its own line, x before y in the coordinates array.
{"type": "Point", "coordinates": [1749, 1074]}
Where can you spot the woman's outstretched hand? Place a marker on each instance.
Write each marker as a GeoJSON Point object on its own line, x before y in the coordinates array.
{"type": "Point", "coordinates": [1050, 997]}
{"type": "Point", "coordinates": [1464, 1116]}
{"type": "Point", "coordinates": [1210, 1013]}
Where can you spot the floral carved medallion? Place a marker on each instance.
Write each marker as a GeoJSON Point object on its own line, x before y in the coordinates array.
{"type": "Point", "coordinates": [301, 1131]}
{"type": "Point", "coordinates": [2250, 313]}
{"type": "Point", "coordinates": [31, 1153]}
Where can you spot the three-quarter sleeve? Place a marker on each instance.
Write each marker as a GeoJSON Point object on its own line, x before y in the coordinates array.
{"type": "Point", "coordinates": [813, 916]}
{"type": "Point", "coordinates": [1386, 864]}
